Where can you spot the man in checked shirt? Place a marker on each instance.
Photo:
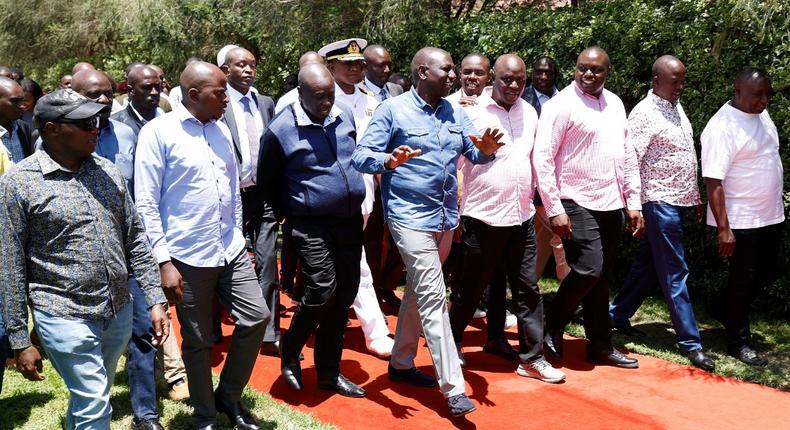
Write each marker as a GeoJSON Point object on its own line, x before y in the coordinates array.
{"type": "Point", "coordinates": [587, 174]}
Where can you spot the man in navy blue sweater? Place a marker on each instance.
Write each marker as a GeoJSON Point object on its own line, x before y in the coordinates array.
{"type": "Point", "coordinates": [305, 174]}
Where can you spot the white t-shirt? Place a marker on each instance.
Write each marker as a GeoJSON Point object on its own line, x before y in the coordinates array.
{"type": "Point", "coordinates": [742, 150]}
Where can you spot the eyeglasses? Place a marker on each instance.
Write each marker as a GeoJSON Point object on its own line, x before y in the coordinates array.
{"type": "Point", "coordinates": [88, 124]}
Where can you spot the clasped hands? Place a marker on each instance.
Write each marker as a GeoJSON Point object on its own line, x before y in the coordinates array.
{"type": "Point", "coordinates": [487, 144]}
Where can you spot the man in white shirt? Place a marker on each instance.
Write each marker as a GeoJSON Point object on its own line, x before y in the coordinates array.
{"type": "Point", "coordinates": [346, 62]}
{"type": "Point", "coordinates": [744, 178]}
{"type": "Point", "coordinates": [247, 116]}
{"type": "Point", "coordinates": [187, 190]}
{"type": "Point", "coordinates": [474, 75]}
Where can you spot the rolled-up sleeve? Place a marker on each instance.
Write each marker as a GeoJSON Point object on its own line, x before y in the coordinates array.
{"type": "Point", "coordinates": [372, 151]}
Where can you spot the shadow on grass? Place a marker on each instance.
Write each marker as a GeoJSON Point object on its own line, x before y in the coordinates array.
{"type": "Point", "coordinates": [16, 409]}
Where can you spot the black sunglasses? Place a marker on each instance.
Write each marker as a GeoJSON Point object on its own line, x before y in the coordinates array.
{"type": "Point", "coordinates": [88, 124]}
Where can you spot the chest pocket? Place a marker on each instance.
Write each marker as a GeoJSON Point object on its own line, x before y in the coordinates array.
{"type": "Point", "coordinates": [417, 138]}
{"type": "Point", "coordinates": [455, 138]}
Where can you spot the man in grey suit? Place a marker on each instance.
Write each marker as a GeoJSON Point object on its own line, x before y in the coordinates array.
{"type": "Point", "coordinates": [248, 116]}
{"type": "Point", "coordinates": [378, 68]}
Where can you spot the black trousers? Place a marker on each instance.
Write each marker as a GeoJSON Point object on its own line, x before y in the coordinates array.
{"type": "Point", "coordinates": [330, 252]}
{"type": "Point", "coordinates": [485, 247]}
{"type": "Point", "coordinates": [261, 226]}
{"type": "Point", "coordinates": [754, 264]}
{"type": "Point", "coordinates": [591, 254]}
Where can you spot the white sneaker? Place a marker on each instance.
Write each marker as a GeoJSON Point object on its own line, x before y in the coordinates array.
{"type": "Point", "coordinates": [510, 320]}
{"type": "Point", "coordinates": [541, 369]}
{"type": "Point", "coordinates": [382, 347]}
{"type": "Point", "coordinates": [479, 313]}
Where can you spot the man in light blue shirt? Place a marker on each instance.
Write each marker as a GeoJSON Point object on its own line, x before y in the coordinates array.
{"type": "Point", "coordinates": [414, 141]}
{"type": "Point", "coordinates": [187, 190]}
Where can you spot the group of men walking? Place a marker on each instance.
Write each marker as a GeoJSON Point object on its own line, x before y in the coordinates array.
{"type": "Point", "coordinates": [516, 168]}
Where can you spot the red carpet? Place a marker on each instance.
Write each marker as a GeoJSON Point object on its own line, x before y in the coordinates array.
{"type": "Point", "coordinates": [658, 395]}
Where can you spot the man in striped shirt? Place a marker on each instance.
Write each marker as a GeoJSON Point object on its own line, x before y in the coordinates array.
{"type": "Point", "coordinates": [586, 176]}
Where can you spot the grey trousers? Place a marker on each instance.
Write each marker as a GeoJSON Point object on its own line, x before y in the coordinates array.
{"type": "Point", "coordinates": [236, 286]}
{"type": "Point", "coordinates": [424, 306]}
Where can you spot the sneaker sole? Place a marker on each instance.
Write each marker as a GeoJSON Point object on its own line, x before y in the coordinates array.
{"type": "Point", "coordinates": [468, 411]}
{"type": "Point", "coordinates": [529, 375]}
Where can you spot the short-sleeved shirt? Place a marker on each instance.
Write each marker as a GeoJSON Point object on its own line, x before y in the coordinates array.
{"type": "Point", "coordinates": [742, 150]}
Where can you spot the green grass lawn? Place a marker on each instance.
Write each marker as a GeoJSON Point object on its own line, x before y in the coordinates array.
{"type": "Point", "coordinates": [42, 406]}
{"type": "Point", "coordinates": [770, 337]}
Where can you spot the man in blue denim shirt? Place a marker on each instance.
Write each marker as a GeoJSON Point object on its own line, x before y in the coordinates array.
{"type": "Point", "coordinates": [422, 135]}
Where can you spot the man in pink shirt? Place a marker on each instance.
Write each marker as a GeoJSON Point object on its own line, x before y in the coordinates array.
{"type": "Point", "coordinates": [498, 220]}
{"type": "Point", "coordinates": [586, 176]}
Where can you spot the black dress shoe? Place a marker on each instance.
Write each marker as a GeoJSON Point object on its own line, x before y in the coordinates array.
{"type": "Point", "coordinates": [238, 415]}
{"type": "Point", "coordinates": [699, 359]}
{"type": "Point", "coordinates": [612, 358]}
{"type": "Point", "coordinates": [501, 347]}
{"type": "Point", "coordinates": [207, 427]}
{"type": "Point", "coordinates": [150, 424]}
{"type": "Point", "coordinates": [390, 298]}
{"type": "Point", "coordinates": [292, 374]}
{"type": "Point", "coordinates": [749, 356]}
{"type": "Point", "coordinates": [552, 344]}
{"type": "Point", "coordinates": [625, 327]}
{"type": "Point", "coordinates": [341, 385]}
{"type": "Point", "coordinates": [411, 376]}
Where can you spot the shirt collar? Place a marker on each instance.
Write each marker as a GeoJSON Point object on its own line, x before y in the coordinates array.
{"type": "Point", "coordinates": [302, 119]}
{"type": "Point", "coordinates": [661, 102]}
{"type": "Point", "coordinates": [48, 165]}
{"type": "Point", "coordinates": [375, 88]}
{"type": "Point", "coordinates": [236, 96]}
{"type": "Point", "coordinates": [157, 112]}
{"type": "Point", "coordinates": [422, 104]}
{"type": "Point", "coordinates": [553, 92]}
{"type": "Point", "coordinates": [580, 92]}
{"type": "Point", "coordinates": [3, 130]}
{"type": "Point", "coordinates": [184, 115]}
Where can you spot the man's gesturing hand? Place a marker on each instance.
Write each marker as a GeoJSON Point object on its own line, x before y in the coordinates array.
{"type": "Point", "coordinates": [401, 155]}
{"type": "Point", "coordinates": [172, 283]}
{"type": "Point", "coordinates": [489, 143]}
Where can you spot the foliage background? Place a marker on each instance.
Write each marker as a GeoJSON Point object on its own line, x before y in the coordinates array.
{"type": "Point", "coordinates": [713, 38]}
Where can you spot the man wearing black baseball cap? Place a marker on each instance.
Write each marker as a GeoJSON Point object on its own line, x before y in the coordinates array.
{"type": "Point", "coordinates": [70, 236]}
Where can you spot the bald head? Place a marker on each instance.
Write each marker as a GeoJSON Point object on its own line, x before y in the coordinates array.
{"type": "Point", "coordinates": [6, 72]}
{"type": "Point", "coordinates": [669, 77]}
{"type": "Point", "coordinates": [310, 57]}
{"type": "Point", "coordinates": [7, 83]}
{"type": "Point", "coordinates": [753, 91]}
{"type": "Point", "coordinates": [433, 73]}
{"type": "Point", "coordinates": [510, 78]}
{"type": "Point", "coordinates": [93, 84]}
{"type": "Point", "coordinates": [316, 91]}
{"type": "Point", "coordinates": [82, 65]}
{"type": "Point", "coordinates": [378, 65]}
{"type": "Point", "coordinates": [595, 52]}
{"type": "Point", "coordinates": [138, 74]}
{"type": "Point", "coordinates": [203, 86]}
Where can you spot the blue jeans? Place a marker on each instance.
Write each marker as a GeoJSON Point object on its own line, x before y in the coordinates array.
{"type": "Point", "coordinates": [142, 357]}
{"type": "Point", "coordinates": [660, 262]}
{"type": "Point", "coordinates": [85, 354]}
{"type": "Point", "coordinates": [5, 349]}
